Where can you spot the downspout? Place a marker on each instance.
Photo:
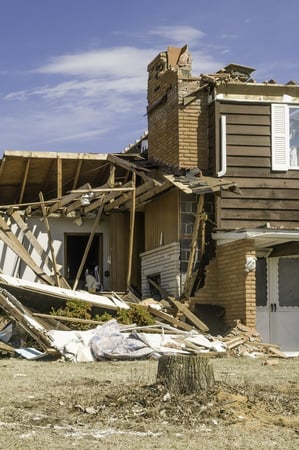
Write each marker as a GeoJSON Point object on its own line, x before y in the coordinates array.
{"type": "Point", "coordinates": [222, 171]}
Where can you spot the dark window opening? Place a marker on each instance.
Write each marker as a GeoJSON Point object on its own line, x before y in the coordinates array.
{"type": "Point", "coordinates": [154, 292]}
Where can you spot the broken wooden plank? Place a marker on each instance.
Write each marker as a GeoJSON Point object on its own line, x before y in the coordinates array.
{"type": "Point", "coordinates": [23, 226]}
{"type": "Point", "coordinates": [6, 347]}
{"type": "Point", "coordinates": [190, 316]}
{"type": "Point", "coordinates": [9, 238]}
{"type": "Point", "coordinates": [181, 308]}
{"type": "Point", "coordinates": [66, 199]}
{"type": "Point", "coordinates": [235, 342]}
{"type": "Point", "coordinates": [132, 229]}
{"type": "Point", "coordinates": [169, 319]}
{"type": "Point", "coordinates": [68, 319]}
{"type": "Point", "coordinates": [16, 311]}
{"type": "Point", "coordinates": [50, 240]}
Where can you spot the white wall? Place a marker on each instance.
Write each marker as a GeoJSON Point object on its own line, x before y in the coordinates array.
{"type": "Point", "coordinates": [164, 260]}
{"type": "Point", "coordinates": [11, 264]}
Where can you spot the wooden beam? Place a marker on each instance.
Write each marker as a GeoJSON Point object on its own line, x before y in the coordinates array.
{"type": "Point", "coordinates": [125, 164]}
{"type": "Point", "coordinates": [17, 311]}
{"type": "Point", "coordinates": [181, 307]}
{"type": "Point", "coordinates": [56, 274]}
{"type": "Point", "coordinates": [6, 348]}
{"type": "Point", "coordinates": [24, 181]}
{"type": "Point", "coordinates": [132, 229]}
{"type": "Point", "coordinates": [199, 218]}
{"type": "Point", "coordinates": [190, 316]}
{"type": "Point", "coordinates": [77, 173]}
{"type": "Point", "coordinates": [59, 176]}
{"type": "Point", "coordinates": [170, 319]}
{"type": "Point", "coordinates": [88, 245]}
{"type": "Point", "coordinates": [9, 238]}
{"type": "Point", "coordinates": [111, 179]}
{"type": "Point", "coordinates": [150, 193]}
{"type": "Point", "coordinates": [105, 199]}
{"type": "Point", "coordinates": [66, 199]}
{"type": "Point", "coordinates": [68, 319]}
{"type": "Point", "coordinates": [23, 226]}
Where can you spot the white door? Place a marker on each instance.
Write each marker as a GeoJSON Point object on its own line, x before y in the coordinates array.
{"type": "Point", "coordinates": [278, 303]}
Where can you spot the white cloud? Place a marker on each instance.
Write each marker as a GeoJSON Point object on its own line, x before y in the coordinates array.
{"type": "Point", "coordinates": [94, 97]}
{"type": "Point", "coordinates": [85, 89]}
{"type": "Point", "coordinates": [111, 62]}
{"type": "Point", "coordinates": [178, 34]}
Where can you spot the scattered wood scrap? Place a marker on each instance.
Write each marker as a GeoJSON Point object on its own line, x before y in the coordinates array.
{"type": "Point", "coordinates": [23, 317]}
{"type": "Point", "coordinates": [242, 340]}
{"type": "Point", "coordinates": [182, 308]}
{"type": "Point", "coordinates": [6, 348]}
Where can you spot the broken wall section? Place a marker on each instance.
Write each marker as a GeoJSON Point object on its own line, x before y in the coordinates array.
{"type": "Point", "coordinates": [227, 284]}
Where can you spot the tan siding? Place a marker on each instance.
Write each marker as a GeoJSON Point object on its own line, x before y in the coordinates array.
{"type": "Point", "coordinates": [119, 247]}
{"type": "Point", "coordinates": [162, 220]}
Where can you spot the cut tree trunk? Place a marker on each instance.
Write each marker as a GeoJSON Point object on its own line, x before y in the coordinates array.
{"type": "Point", "coordinates": [185, 374]}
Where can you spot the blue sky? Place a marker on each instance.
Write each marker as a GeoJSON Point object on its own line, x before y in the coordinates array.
{"type": "Point", "coordinates": [73, 73]}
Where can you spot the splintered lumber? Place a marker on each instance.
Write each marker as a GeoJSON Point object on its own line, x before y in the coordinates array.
{"type": "Point", "coordinates": [185, 374]}
{"type": "Point", "coordinates": [9, 238]}
{"type": "Point", "coordinates": [132, 229]}
{"type": "Point", "coordinates": [170, 319]}
{"type": "Point", "coordinates": [23, 226]}
{"type": "Point", "coordinates": [68, 319]}
{"type": "Point", "coordinates": [190, 316]}
{"type": "Point", "coordinates": [234, 342]}
{"type": "Point", "coordinates": [6, 348]}
{"type": "Point", "coordinates": [50, 240]}
{"type": "Point", "coordinates": [181, 308]}
{"type": "Point", "coordinates": [17, 312]}
{"type": "Point", "coordinates": [199, 217]}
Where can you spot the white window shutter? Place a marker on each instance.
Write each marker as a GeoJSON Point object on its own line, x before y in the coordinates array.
{"type": "Point", "coordinates": [280, 136]}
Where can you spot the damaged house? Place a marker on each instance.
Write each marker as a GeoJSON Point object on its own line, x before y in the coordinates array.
{"type": "Point", "coordinates": [203, 206]}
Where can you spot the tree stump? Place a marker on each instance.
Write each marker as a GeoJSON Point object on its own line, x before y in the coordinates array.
{"type": "Point", "coordinates": [186, 374]}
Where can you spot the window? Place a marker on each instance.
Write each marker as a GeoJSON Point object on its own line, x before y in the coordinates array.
{"type": "Point", "coordinates": [285, 137]}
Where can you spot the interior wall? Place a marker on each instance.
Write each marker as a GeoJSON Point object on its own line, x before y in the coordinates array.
{"type": "Point", "coordinates": [162, 220]}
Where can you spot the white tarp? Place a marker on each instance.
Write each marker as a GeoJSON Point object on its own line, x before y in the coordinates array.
{"type": "Point", "coordinates": [108, 341]}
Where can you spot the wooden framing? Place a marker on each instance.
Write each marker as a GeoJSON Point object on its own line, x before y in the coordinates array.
{"type": "Point", "coordinates": [9, 238]}
{"type": "Point", "coordinates": [50, 240]}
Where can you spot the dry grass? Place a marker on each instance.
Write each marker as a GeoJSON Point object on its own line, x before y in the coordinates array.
{"type": "Point", "coordinates": [110, 405]}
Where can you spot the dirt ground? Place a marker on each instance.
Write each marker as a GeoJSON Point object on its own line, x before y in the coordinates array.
{"type": "Point", "coordinates": [109, 405]}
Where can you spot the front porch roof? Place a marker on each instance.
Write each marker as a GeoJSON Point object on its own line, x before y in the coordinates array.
{"type": "Point", "coordinates": [264, 238]}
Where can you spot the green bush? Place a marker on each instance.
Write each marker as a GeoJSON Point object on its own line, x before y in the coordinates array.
{"type": "Point", "coordinates": [137, 314]}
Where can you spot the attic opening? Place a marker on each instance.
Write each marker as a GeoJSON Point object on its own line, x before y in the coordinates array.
{"type": "Point", "coordinates": [75, 245]}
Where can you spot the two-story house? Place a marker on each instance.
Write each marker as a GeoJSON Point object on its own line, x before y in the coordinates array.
{"type": "Point", "coordinates": [205, 204]}
{"type": "Point", "coordinates": [231, 128]}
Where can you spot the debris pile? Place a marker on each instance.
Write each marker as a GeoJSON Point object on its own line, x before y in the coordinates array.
{"type": "Point", "coordinates": [245, 341]}
{"type": "Point", "coordinates": [175, 330]}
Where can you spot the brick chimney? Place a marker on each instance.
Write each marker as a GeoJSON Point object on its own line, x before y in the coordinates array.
{"type": "Point", "coordinates": [177, 120]}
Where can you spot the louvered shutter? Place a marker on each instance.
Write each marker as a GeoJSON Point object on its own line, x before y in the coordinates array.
{"type": "Point", "coordinates": [280, 136]}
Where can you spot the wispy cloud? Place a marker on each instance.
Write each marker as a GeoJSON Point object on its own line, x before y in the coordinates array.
{"type": "Point", "coordinates": [178, 34]}
{"type": "Point", "coordinates": [112, 62]}
{"type": "Point", "coordinates": [82, 97]}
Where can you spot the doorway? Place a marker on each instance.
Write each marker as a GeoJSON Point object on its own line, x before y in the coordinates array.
{"type": "Point", "coordinates": [75, 245]}
{"type": "Point", "coordinates": [277, 301]}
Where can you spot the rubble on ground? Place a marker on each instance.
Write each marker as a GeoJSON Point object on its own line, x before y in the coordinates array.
{"type": "Point", "coordinates": [175, 330]}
